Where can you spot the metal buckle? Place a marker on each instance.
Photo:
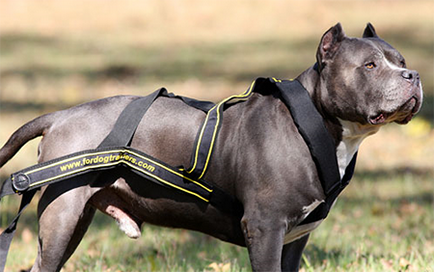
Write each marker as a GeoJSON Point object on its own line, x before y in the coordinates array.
{"type": "Point", "coordinates": [20, 182]}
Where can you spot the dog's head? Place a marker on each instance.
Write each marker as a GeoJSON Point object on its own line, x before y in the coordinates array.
{"type": "Point", "coordinates": [366, 80]}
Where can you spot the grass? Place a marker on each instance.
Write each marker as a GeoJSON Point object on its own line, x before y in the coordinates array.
{"type": "Point", "coordinates": [60, 53]}
{"type": "Point", "coordinates": [398, 222]}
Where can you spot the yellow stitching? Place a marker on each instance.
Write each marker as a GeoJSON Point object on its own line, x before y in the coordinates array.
{"type": "Point", "coordinates": [241, 97]}
{"type": "Point", "coordinates": [170, 170]}
{"type": "Point", "coordinates": [129, 164]}
{"type": "Point", "coordinates": [70, 159]}
{"type": "Point", "coordinates": [244, 96]}
{"type": "Point", "coordinates": [166, 182]}
{"type": "Point", "coordinates": [200, 140]}
{"type": "Point", "coordinates": [108, 164]}
{"type": "Point", "coordinates": [71, 173]}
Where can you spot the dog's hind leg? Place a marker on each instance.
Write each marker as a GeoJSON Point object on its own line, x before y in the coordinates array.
{"type": "Point", "coordinates": [63, 221]}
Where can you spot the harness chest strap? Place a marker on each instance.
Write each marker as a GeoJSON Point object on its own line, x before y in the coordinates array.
{"type": "Point", "coordinates": [114, 151]}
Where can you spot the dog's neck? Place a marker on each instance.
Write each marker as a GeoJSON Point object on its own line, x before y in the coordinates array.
{"type": "Point", "coordinates": [347, 135]}
{"type": "Point", "coordinates": [352, 136]}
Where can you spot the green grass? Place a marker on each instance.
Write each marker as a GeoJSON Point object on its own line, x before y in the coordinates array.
{"type": "Point", "coordinates": [382, 218]}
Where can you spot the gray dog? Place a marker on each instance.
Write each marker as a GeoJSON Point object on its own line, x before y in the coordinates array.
{"type": "Point", "coordinates": [358, 85]}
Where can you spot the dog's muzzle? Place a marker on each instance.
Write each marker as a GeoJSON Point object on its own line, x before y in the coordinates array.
{"type": "Point", "coordinates": [404, 113]}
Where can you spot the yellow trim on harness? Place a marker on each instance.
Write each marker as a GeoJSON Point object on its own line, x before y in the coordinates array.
{"type": "Point", "coordinates": [237, 98]}
{"type": "Point", "coordinates": [166, 182]}
{"type": "Point", "coordinates": [199, 141]}
{"type": "Point", "coordinates": [124, 151]}
{"type": "Point", "coordinates": [71, 173]}
{"type": "Point", "coordinates": [70, 159]}
{"type": "Point", "coordinates": [170, 170]}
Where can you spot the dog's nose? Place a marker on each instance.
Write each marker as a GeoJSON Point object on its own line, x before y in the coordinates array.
{"type": "Point", "coordinates": [411, 76]}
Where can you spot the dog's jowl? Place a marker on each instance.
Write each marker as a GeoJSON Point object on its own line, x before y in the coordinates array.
{"type": "Point", "coordinates": [266, 159]}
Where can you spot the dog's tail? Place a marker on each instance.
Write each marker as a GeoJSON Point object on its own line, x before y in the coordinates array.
{"type": "Point", "coordinates": [27, 132]}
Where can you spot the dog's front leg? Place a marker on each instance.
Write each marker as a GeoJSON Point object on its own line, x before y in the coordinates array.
{"type": "Point", "coordinates": [264, 240]}
{"type": "Point", "coordinates": [292, 252]}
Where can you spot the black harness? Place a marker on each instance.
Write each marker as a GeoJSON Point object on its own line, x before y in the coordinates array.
{"type": "Point", "coordinates": [115, 151]}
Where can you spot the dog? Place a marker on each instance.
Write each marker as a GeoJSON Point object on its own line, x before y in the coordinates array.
{"type": "Point", "coordinates": [358, 85]}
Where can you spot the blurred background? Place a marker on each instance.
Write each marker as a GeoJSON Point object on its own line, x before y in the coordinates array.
{"type": "Point", "coordinates": [55, 54]}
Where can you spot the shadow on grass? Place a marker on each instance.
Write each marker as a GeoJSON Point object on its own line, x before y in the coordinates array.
{"type": "Point", "coordinates": [315, 256]}
{"type": "Point", "coordinates": [396, 177]}
{"type": "Point", "coordinates": [14, 106]}
{"type": "Point", "coordinates": [164, 61]}
{"type": "Point", "coordinates": [393, 174]}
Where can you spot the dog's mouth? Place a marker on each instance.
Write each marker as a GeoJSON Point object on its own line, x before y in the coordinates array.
{"type": "Point", "coordinates": [402, 115]}
{"type": "Point", "coordinates": [412, 106]}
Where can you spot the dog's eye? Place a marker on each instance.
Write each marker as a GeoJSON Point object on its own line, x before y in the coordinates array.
{"type": "Point", "coordinates": [403, 64]}
{"type": "Point", "coordinates": [370, 65]}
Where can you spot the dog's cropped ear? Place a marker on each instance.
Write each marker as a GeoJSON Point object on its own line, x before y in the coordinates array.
{"type": "Point", "coordinates": [370, 32]}
{"type": "Point", "coordinates": [330, 42]}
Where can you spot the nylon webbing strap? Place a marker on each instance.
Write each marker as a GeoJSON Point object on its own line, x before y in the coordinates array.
{"type": "Point", "coordinates": [311, 127]}
{"type": "Point", "coordinates": [128, 120]}
{"type": "Point", "coordinates": [8, 234]}
{"type": "Point", "coordinates": [109, 155]}
{"type": "Point", "coordinates": [207, 135]}
{"type": "Point", "coordinates": [131, 116]}
{"type": "Point", "coordinates": [107, 158]}
{"type": "Point", "coordinates": [323, 209]}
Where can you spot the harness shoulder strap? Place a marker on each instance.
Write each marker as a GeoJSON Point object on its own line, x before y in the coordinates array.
{"type": "Point", "coordinates": [207, 135]}
{"type": "Point", "coordinates": [321, 145]}
{"type": "Point", "coordinates": [311, 126]}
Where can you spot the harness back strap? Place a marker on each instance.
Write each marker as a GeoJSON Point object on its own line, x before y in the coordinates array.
{"type": "Point", "coordinates": [128, 121]}
{"type": "Point", "coordinates": [131, 116]}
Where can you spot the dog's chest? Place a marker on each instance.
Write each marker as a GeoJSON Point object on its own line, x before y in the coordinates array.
{"type": "Point", "coordinates": [353, 134]}
{"type": "Point", "coordinates": [301, 230]}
